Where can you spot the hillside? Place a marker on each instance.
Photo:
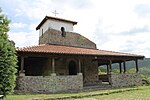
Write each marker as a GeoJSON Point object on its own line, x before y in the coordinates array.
{"type": "Point", "coordinates": [131, 64]}
{"type": "Point", "coordinates": [144, 66]}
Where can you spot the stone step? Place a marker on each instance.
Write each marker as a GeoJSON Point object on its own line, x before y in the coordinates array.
{"type": "Point", "coordinates": [97, 87]}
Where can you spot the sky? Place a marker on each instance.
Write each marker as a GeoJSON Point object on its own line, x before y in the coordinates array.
{"type": "Point", "coordinates": [115, 25]}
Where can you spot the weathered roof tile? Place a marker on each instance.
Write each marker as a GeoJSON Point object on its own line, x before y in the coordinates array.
{"type": "Point", "coordinates": [58, 49]}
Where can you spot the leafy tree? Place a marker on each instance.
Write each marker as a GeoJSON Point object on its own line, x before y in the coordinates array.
{"type": "Point", "coordinates": [8, 58]}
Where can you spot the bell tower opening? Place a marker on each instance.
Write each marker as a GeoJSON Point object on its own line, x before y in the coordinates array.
{"type": "Point", "coordinates": [63, 32]}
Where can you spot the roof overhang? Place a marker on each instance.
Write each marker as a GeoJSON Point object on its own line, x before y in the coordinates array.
{"type": "Point", "coordinates": [76, 51]}
{"type": "Point", "coordinates": [54, 18]}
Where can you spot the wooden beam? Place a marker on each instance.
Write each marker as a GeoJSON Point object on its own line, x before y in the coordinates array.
{"type": "Point", "coordinates": [102, 57]}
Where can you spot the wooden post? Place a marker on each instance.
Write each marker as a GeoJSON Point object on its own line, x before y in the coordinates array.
{"type": "Point", "coordinates": [137, 68]}
{"type": "Point", "coordinates": [21, 73]}
{"type": "Point", "coordinates": [79, 66]}
{"type": "Point", "coordinates": [53, 67]}
{"type": "Point", "coordinates": [107, 69]}
{"type": "Point", "coordinates": [79, 62]}
{"type": "Point", "coordinates": [110, 70]}
{"type": "Point", "coordinates": [22, 64]}
{"type": "Point", "coordinates": [110, 66]}
{"type": "Point", "coordinates": [124, 66]}
{"type": "Point", "coordinates": [120, 67]}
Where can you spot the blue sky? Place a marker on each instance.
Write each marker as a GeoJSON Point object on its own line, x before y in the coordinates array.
{"type": "Point", "coordinates": [116, 25]}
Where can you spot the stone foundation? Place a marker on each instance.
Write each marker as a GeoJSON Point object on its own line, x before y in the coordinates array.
{"type": "Point", "coordinates": [49, 84]}
{"type": "Point", "coordinates": [125, 80]}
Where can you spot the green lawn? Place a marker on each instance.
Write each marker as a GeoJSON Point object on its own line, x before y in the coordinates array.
{"type": "Point", "coordinates": [142, 94]}
{"type": "Point", "coordinates": [134, 93]}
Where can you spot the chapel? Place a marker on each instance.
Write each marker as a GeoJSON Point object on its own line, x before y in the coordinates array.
{"type": "Point", "coordinates": [65, 61]}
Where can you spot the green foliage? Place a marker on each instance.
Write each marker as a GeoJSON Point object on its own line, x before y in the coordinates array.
{"type": "Point", "coordinates": [131, 64]}
{"type": "Point", "coordinates": [145, 74]}
{"type": "Point", "coordinates": [115, 71]}
{"type": "Point", "coordinates": [102, 70]}
{"type": "Point", "coordinates": [145, 71]}
{"type": "Point", "coordinates": [131, 70]}
{"type": "Point", "coordinates": [8, 58]}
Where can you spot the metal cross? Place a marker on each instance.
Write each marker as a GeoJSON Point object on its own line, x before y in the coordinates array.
{"type": "Point", "coordinates": [55, 13]}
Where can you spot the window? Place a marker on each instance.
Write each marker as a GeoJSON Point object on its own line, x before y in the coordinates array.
{"type": "Point", "coordinates": [63, 31]}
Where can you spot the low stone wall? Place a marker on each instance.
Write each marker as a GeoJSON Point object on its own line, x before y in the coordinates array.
{"type": "Point", "coordinates": [125, 80]}
{"type": "Point", "coordinates": [49, 84]}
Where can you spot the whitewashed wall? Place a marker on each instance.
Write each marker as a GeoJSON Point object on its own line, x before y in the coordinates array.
{"type": "Point", "coordinates": [54, 24]}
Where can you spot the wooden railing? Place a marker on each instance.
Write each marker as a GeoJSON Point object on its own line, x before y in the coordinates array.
{"type": "Point", "coordinates": [104, 77]}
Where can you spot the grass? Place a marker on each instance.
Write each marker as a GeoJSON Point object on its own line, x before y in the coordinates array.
{"type": "Point", "coordinates": [143, 93]}
{"type": "Point", "coordinates": [134, 93]}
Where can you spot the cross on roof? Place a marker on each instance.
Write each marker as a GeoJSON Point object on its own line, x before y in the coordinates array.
{"type": "Point", "coordinates": [55, 12]}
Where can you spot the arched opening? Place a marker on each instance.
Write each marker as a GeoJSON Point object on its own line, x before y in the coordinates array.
{"type": "Point", "coordinates": [72, 68]}
{"type": "Point", "coordinates": [63, 31]}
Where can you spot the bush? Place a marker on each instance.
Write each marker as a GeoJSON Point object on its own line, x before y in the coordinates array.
{"type": "Point", "coordinates": [8, 58]}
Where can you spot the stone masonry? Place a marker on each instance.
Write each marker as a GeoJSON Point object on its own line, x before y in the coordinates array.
{"type": "Point", "coordinates": [49, 84]}
{"type": "Point", "coordinates": [52, 36]}
{"type": "Point", "coordinates": [90, 70]}
{"type": "Point", "coordinates": [125, 80]}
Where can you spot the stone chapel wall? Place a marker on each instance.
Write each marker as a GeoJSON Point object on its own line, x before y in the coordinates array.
{"type": "Point", "coordinates": [61, 66]}
{"type": "Point", "coordinates": [52, 36]}
{"type": "Point", "coordinates": [90, 70]}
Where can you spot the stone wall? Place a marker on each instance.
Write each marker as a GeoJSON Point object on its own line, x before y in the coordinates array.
{"type": "Point", "coordinates": [61, 67]}
{"type": "Point", "coordinates": [90, 70]}
{"type": "Point", "coordinates": [88, 67]}
{"type": "Point", "coordinates": [49, 84]}
{"type": "Point", "coordinates": [125, 80]}
{"type": "Point", "coordinates": [52, 36]}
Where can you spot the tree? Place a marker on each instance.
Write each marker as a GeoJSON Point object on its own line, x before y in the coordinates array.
{"type": "Point", "coordinates": [8, 58]}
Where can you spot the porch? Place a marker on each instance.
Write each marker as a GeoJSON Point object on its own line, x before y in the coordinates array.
{"type": "Point", "coordinates": [33, 79]}
{"type": "Point", "coordinates": [61, 68]}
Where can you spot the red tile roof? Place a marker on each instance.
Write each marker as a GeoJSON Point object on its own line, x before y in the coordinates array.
{"type": "Point", "coordinates": [54, 18]}
{"type": "Point", "coordinates": [57, 49]}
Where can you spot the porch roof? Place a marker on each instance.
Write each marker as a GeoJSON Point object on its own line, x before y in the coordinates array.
{"type": "Point", "coordinates": [59, 49]}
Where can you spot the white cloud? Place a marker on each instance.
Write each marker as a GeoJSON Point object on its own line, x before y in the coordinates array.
{"type": "Point", "coordinates": [18, 25]}
{"type": "Point", "coordinates": [23, 39]}
{"type": "Point", "coordinates": [138, 43]}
